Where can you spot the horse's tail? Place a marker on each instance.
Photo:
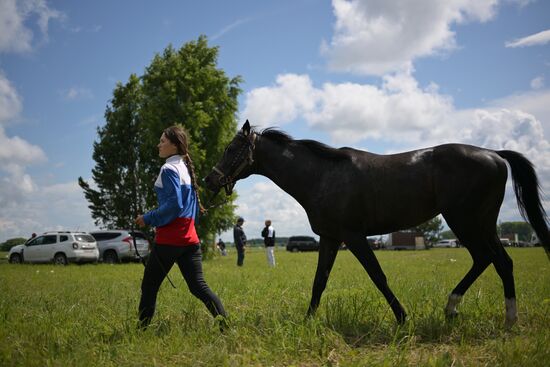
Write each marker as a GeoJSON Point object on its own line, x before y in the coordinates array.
{"type": "Point", "coordinates": [528, 192]}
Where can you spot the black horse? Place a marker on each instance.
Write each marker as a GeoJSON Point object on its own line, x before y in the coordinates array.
{"type": "Point", "coordinates": [350, 194]}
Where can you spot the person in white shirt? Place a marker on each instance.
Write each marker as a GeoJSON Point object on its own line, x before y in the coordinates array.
{"type": "Point", "coordinates": [268, 233]}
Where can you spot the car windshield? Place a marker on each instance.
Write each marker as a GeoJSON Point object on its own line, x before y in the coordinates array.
{"type": "Point", "coordinates": [84, 238]}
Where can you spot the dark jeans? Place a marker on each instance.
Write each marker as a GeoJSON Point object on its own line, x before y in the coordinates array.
{"type": "Point", "coordinates": [240, 256]}
{"type": "Point", "coordinates": [189, 260]}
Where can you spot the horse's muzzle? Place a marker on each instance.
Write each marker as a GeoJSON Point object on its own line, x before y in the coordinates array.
{"type": "Point", "coordinates": [212, 181]}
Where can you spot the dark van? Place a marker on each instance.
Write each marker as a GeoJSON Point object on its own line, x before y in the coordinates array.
{"type": "Point", "coordinates": [302, 243]}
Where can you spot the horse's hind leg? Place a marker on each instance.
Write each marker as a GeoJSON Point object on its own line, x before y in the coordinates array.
{"type": "Point", "coordinates": [328, 249]}
{"type": "Point", "coordinates": [480, 264]}
{"type": "Point", "coordinates": [359, 246]}
{"type": "Point", "coordinates": [485, 248]}
{"type": "Point", "coordinates": [504, 267]}
{"type": "Point", "coordinates": [472, 234]}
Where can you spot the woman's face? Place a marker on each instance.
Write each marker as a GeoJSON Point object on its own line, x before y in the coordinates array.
{"type": "Point", "coordinates": [166, 147]}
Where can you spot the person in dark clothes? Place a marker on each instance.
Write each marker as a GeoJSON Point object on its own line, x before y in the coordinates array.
{"type": "Point", "coordinates": [240, 240]}
{"type": "Point", "coordinates": [221, 247]}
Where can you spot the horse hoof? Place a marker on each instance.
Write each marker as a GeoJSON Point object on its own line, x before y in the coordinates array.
{"type": "Point", "coordinates": [402, 319]}
{"type": "Point", "coordinates": [451, 315]}
{"type": "Point", "coordinates": [510, 322]}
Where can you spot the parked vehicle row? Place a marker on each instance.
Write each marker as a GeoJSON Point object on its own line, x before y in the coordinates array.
{"type": "Point", "coordinates": [57, 247]}
{"type": "Point", "coordinates": [62, 247]}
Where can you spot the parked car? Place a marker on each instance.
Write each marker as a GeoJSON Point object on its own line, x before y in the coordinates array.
{"type": "Point", "coordinates": [446, 244]}
{"type": "Point", "coordinates": [57, 247]}
{"type": "Point", "coordinates": [302, 243]}
{"type": "Point", "coordinates": [118, 245]}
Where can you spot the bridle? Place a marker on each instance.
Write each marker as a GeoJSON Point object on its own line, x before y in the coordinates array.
{"type": "Point", "coordinates": [227, 181]}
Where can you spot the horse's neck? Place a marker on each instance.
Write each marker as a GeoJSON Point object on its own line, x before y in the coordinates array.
{"type": "Point", "coordinates": [285, 166]}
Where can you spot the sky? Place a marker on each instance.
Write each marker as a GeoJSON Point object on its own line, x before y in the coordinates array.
{"type": "Point", "coordinates": [378, 75]}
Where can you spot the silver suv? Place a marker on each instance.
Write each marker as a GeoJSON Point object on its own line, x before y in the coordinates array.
{"type": "Point", "coordinates": [117, 245]}
{"type": "Point", "coordinates": [59, 247]}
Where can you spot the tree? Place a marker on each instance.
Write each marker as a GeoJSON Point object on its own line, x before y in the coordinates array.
{"type": "Point", "coordinates": [179, 87]}
{"type": "Point", "coordinates": [117, 155]}
{"type": "Point", "coordinates": [430, 230]}
{"type": "Point", "coordinates": [523, 230]}
{"type": "Point", "coordinates": [6, 246]}
{"type": "Point", "coordinates": [447, 235]}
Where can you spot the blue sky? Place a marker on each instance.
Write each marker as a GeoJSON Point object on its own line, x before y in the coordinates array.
{"type": "Point", "coordinates": [383, 76]}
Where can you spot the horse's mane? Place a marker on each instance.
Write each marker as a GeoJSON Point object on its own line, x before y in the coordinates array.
{"type": "Point", "coordinates": [317, 147]}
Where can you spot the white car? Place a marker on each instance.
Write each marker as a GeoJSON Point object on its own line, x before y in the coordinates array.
{"type": "Point", "coordinates": [117, 245]}
{"type": "Point", "coordinates": [446, 243]}
{"type": "Point", "coordinates": [57, 247]}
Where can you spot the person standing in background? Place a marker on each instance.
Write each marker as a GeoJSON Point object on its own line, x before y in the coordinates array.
{"type": "Point", "coordinates": [221, 247]}
{"type": "Point", "coordinates": [240, 240]}
{"type": "Point", "coordinates": [268, 233]}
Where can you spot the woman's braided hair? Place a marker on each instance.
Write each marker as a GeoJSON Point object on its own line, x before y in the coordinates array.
{"type": "Point", "coordinates": [178, 136]}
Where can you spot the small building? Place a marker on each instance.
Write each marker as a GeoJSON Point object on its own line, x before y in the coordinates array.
{"type": "Point", "coordinates": [405, 241]}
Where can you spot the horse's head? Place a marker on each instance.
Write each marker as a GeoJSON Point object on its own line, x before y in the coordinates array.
{"type": "Point", "coordinates": [235, 163]}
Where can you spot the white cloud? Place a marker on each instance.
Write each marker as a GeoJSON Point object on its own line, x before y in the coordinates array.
{"type": "Point", "coordinates": [379, 36]}
{"type": "Point", "coordinates": [76, 93]}
{"type": "Point", "coordinates": [536, 39]}
{"type": "Point", "coordinates": [521, 3]}
{"type": "Point", "coordinates": [350, 112]}
{"type": "Point", "coordinates": [537, 83]}
{"type": "Point", "coordinates": [15, 184]}
{"type": "Point", "coordinates": [291, 96]}
{"type": "Point", "coordinates": [14, 150]}
{"type": "Point", "coordinates": [15, 155]}
{"type": "Point", "coordinates": [533, 102]}
{"type": "Point", "coordinates": [229, 28]}
{"type": "Point", "coordinates": [15, 36]}
{"type": "Point", "coordinates": [54, 207]}
{"type": "Point", "coordinates": [10, 102]}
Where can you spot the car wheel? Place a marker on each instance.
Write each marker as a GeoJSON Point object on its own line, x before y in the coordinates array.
{"type": "Point", "coordinates": [295, 249]}
{"type": "Point", "coordinates": [60, 259]}
{"type": "Point", "coordinates": [110, 257]}
{"type": "Point", "coordinates": [15, 259]}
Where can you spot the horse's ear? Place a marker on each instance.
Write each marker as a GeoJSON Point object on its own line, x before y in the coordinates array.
{"type": "Point", "coordinates": [246, 128]}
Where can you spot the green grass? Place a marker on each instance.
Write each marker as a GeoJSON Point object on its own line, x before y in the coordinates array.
{"type": "Point", "coordinates": [86, 315]}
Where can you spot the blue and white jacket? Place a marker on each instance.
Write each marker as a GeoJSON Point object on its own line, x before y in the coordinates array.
{"type": "Point", "coordinates": [177, 205]}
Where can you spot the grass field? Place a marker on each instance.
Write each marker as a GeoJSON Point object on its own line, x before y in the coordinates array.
{"type": "Point", "coordinates": [86, 315]}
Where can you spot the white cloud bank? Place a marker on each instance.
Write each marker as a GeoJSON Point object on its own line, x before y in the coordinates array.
{"type": "Point", "coordinates": [26, 206]}
{"type": "Point", "coordinates": [536, 39]}
{"type": "Point", "coordinates": [15, 36]}
{"type": "Point", "coordinates": [379, 36]}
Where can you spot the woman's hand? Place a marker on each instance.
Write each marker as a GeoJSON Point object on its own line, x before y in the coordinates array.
{"type": "Point", "coordinates": [139, 221]}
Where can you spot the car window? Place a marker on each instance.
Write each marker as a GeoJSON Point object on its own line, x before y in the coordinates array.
{"type": "Point", "coordinates": [84, 238]}
{"type": "Point", "coordinates": [49, 239]}
{"type": "Point", "coordinates": [36, 241]}
{"type": "Point", "coordinates": [104, 236]}
{"type": "Point", "coordinates": [63, 238]}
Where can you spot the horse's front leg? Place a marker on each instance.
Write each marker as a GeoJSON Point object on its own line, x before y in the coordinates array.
{"type": "Point", "coordinates": [360, 247]}
{"type": "Point", "coordinates": [328, 248]}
